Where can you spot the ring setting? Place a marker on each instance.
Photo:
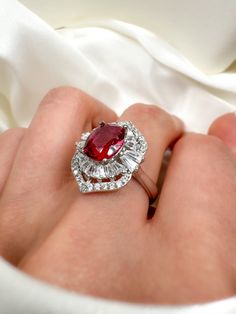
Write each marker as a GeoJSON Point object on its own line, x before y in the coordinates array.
{"type": "Point", "coordinates": [107, 157]}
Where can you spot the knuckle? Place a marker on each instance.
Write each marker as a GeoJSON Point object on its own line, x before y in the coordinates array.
{"type": "Point", "coordinates": [142, 111]}
{"type": "Point", "coordinates": [205, 162]}
{"type": "Point", "coordinates": [62, 91]}
{"type": "Point", "coordinates": [200, 145]}
{"type": "Point", "coordinates": [66, 95]}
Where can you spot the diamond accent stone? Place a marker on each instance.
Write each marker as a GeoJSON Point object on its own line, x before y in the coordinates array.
{"type": "Point", "coordinates": [97, 186]}
{"type": "Point", "coordinates": [108, 171]}
{"type": "Point", "coordinates": [129, 163]}
{"type": "Point", "coordinates": [84, 136]}
{"type": "Point", "coordinates": [83, 187]}
{"type": "Point", "coordinates": [99, 172]}
{"type": "Point", "coordinates": [90, 187]}
{"type": "Point", "coordinates": [135, 156]}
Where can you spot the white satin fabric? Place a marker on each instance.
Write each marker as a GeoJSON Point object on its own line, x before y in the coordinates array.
{"type": "Point", "coordinates": [119, 63]}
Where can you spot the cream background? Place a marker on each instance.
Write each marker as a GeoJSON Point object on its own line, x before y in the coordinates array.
{"type": "Point", "coordinates": [183, 60]}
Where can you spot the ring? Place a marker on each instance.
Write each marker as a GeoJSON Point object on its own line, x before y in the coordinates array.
{"type": "Point", "coordinates": [109, 156]}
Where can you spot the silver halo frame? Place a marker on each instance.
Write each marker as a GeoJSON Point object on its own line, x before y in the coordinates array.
{"type": "Point", "coordinates": [109, 174]}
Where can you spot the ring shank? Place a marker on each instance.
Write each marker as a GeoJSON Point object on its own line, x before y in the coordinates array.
{"type": "Point", "coordinates": [147, 183]}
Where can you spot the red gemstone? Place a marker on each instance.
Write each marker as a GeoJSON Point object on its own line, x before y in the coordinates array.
{"type": "Point", "coordinates": [104, 142]}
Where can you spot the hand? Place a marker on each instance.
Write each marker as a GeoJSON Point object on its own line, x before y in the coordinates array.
{"type": "Point", "coordinates": [103, 244]}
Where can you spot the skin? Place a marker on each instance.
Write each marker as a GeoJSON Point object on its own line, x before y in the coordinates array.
{"type": "Point", "coordinates": [103, 244]}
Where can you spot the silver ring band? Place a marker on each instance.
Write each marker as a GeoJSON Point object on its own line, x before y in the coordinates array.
{"type": "Point", "coordinates": [147, 183]}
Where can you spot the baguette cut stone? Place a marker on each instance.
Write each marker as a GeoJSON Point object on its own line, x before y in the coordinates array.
{"type": "Point", "coordinates": [104, 142]}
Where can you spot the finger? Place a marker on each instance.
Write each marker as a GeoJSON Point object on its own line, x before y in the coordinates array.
{"type": "Point", "coordinates": [9, 144]}
{"type": "Point", "coordinates": [159, 129]}
{"type": "Point", "coordinates": [196, 216]}
{"type": "Point", "coordinates": [42, 167]}
{"type": "Point", "coordinates": [225, 128]}
{"type": "Point", "coordinates": [200, 168]}
{"type": "Point", "coordinates": [43, 159]}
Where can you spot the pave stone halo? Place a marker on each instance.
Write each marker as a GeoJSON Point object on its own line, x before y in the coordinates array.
{"type": "Point", "coordinates": [106, 158]}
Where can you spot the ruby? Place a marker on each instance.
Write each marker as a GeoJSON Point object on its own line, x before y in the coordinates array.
{"type": "Point", "coordinates": [105, 141]}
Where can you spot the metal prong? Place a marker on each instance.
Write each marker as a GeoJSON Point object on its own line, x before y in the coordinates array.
{"type": "Point", "coordinates": [102, 123]}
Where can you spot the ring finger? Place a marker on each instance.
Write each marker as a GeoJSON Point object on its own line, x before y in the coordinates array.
{"type": "Point", "coordinates": [130, 203]}
{"type": "Point", "coordinates": [160, 129]}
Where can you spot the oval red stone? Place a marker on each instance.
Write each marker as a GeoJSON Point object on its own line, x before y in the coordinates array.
{"type": "Point", "coordinates": [104, 142]}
